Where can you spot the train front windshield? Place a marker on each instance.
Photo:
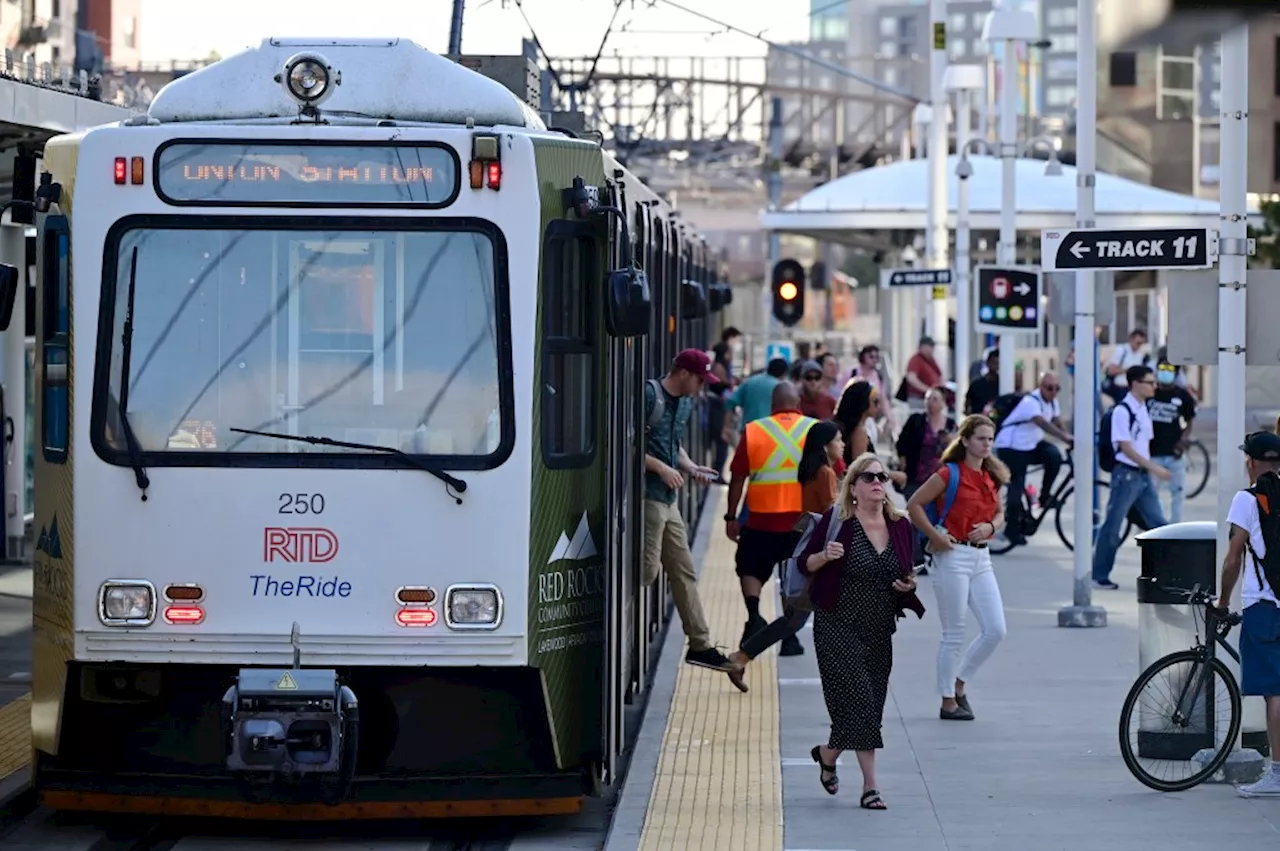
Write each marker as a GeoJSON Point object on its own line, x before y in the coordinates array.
{"type": "Point", "coordinates": [380, 331]}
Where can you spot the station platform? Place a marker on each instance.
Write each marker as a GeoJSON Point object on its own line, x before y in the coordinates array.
{"type": "Point", "coordinates": [1038, 769]}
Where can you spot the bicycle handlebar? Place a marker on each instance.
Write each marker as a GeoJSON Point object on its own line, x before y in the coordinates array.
{"type": "Point", "coordinates": [1198, 597]}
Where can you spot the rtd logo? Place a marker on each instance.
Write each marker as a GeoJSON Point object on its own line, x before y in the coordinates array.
{"type": "Point", "coordinates": [298, 545]}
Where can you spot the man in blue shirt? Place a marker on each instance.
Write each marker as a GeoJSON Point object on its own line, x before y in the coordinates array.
{"type": "Point", "coordinates": [666, 543]}
{"type": "Point", "coordinates": [755, 395]}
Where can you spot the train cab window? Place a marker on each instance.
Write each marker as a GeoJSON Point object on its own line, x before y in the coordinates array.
{"type": "Point", "coordinates": [392, 332]}
{"type": "Point", "coordinates": [570, 278]}
{"type": "Point", "coordinates": [56, 334]}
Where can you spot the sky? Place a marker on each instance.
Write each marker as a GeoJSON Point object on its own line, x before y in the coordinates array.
{"type": "Point", "coordinates": [183, 29]}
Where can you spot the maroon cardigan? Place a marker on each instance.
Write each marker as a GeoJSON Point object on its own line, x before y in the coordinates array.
{"type": "Point", "coordinates": [826, 583]}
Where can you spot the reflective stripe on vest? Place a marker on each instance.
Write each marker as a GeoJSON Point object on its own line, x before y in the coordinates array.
{"type": "Point", "coordinates": [774, 447]}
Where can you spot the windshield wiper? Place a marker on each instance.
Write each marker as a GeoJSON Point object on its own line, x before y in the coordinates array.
{"type": "Point", "coordinates": [451, 482]}
{"type": "Point", "coordinates": [126, 350]}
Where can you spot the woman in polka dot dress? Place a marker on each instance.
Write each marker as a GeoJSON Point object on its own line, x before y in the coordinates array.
{"type": "Point", "coordinates": [862, 581]}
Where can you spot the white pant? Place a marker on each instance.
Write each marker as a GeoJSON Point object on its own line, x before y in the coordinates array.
{"type": "Point", "coordinates": [963, 579]}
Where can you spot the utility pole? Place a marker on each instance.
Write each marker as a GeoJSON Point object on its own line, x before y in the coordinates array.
{"type": "Point", "coordinates": [455, 28]}
{"type": "Point", "coordinates": [1082, 612]}
{"type": "Point", "coordinates": [774, 169]}
{"type": "Point", "coordinates": [937, 237]}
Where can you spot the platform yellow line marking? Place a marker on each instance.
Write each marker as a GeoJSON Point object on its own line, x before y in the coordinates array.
{"type": "Point", "coordinates": [15, 735]}
{"type": "Point", "coordinates": [719, 778]}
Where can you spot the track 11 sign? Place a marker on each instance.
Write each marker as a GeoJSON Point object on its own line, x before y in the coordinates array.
{"type": "Point", "coordinates": [1008, 298]}
{"type": "Point", "coordinates": [1156, 248]}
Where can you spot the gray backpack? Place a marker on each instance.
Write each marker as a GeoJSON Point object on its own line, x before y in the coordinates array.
{"type": "Point", "coordinates": [659, 404]}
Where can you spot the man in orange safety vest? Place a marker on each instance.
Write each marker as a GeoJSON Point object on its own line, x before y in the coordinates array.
{"type": "Point", "coordinates": [767, 463]}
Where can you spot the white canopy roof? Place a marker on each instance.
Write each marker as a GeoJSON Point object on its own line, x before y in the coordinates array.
{"type": "Point", "coordinates": [893, 197]}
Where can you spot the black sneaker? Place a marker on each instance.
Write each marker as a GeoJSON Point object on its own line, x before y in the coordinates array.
{"type": "Point", "coordinates": [791, 647]}
{"type": "Point", "coordinates": [751, 627]}
{"type": "Point", "coordinates": [709, 658]}
{"type": "Point", "coordinates": [1106, 584]}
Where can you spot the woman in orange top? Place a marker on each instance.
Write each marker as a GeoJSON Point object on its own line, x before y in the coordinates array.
{"type": "Point", "coordinates": [823, 447]}
{"type": "Point", "coordinates": [962, 574]}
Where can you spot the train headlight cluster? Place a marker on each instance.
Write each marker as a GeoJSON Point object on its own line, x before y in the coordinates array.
{"type": "Point", "coordinates": [126, 602]}
{"type": "Point", "coordinates": [308, 79]}
{"type": "Point", "coordinates": [473, 607]}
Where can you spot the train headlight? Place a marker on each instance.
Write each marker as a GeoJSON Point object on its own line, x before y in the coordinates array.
{"type": "Point", "coordinates": [473, 607]}
{"type": "Point", "coordinates": [127, 602]}
{"type": "Point", "coordinates": [308, 79]}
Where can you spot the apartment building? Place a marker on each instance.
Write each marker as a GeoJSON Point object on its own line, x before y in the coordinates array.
{"type": "Point", "coordinates": [45, 28]}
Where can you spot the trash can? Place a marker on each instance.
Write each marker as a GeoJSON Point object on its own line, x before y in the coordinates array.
{"type": "Point", "coordinates": [1183, 555]}
{"type": "Point", "coordinates": [1180, 555]}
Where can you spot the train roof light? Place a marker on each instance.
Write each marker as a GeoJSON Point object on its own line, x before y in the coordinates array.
{"type": "Point", "coordinates": [309, 79]}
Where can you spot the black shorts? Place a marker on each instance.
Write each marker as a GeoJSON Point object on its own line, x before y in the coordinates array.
{"type": "Point", "coordinates": [758, 552]}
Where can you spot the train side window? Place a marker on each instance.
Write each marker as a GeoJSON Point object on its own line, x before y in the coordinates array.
{"type": "Point", "coordinates": [570, 278]}
{"type": "Point", "coordinates": [56, 321]}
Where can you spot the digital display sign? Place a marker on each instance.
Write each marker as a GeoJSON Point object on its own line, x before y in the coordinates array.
{"type": "Point", "coordinates": [256, 174]}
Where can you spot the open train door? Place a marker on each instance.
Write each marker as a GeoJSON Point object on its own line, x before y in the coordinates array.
{"type": "Point", "coordinates": [624, 529]}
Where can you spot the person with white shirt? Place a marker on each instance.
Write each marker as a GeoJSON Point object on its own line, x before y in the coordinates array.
{"type": "Point", "coordinates": [1131, 482]}
{"type": "Point", "coordinates": [1020, 443]}
{"type": "Point", "coordinates": [1260, 630]}
{"type": "Point", "coordinates": [1124, 359]}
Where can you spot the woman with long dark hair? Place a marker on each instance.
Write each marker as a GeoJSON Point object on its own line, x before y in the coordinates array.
{"type": "Point", "coordinates": [823, 447]}
{"type": "Point", "coordinates": [862, 582]}
{"type": "Point", "coordinates": [856, 408]}
{"type": "Point", "coordinates": [962, 575]}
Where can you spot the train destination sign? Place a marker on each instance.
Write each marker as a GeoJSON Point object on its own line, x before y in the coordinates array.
{"type": "Point", "coordinates": [259, 173]}
{"type": "Point", "coordinates": [1156, 248]}
{"type": "Point", "coordinates": [914, 277]}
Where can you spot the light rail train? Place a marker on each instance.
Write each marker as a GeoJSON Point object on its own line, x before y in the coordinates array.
{"type": "Point", "coordinates": [339, 367]}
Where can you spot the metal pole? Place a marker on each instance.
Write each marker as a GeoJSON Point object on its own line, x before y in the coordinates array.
{"type": "Point", "coordinates": [964, 301]}
{"type": "Point", "coordinates": [937, 211]}
{"type": "Point", "coordinates": [1196, 127]}
{"type": "Point", "coordinates": [1008, 196]}
{"type": "Point", "coordinates": [1082, 612]}
{"type": "Point", "coordinates": [1232, 264]}
{"type": "Point", "coordinates": [455, 28]}
{"type": "Point", "coordinates": [775, 200]}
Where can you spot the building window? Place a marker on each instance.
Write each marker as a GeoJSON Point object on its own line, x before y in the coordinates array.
{"type": "Point", "coordinates": [1061, 69]}
{"type": "Point", "coordinates": [569, 279]}
{"type": "Point", "coordinates": [888, 26]}
{"type": "Point", "coordinates": [958, 22]}
{"type": "Point", "coordinates": [959, 47]}
{"type": "Point", "coordinates": [55, 9]}
{"type": "Point", "coordinates": [890, 76]}
{"type": "Point", "coordinates": [1275, 152]}
{"type": "Point", "coordinates": [130, 37]}
{"type": "Point", "coordinates": [1063, 43]}
{"type": "Point", "coordinates": [889, 49]}
{"type": "Point", "coordinates": [1061, 16]}
{"type": "Point", "coordinates": [1178, 74]}
{"type": "Point", "coordinates": [1176, 107]}
{"type": "Point", "coordinates": [837, 29]}
{"type": "Point", "coordinates": [1124, 69]}
{"type": "Point", "coordinates": [979, 20]}
{"type": "Point", "coordinates": [1059, 95]}
{"type": "Point", "coordinates": [1276, 58]}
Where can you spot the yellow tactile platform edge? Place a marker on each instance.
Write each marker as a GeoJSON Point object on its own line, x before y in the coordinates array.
{"type": "Point", "coordinates": [719, 778]}
{"type": "Point", "coordinates": [15, 735]}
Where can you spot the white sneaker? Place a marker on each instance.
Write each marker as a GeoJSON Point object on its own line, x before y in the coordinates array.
{"type": "Point", "coordinates": [1268, 786]}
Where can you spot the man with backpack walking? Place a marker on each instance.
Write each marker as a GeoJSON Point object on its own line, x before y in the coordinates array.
{"type": "Point", "coordinates": [1253, 548]}
{"type": "Point", "coordinates": [1124, 450]}
{"type": "Point", "coordinates": [667, 407]}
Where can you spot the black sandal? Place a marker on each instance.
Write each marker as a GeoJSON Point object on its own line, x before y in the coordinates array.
{"type": "Point", "coordinates": [871, 800]}
{"type": "Point", "coordinates": [831, 784]}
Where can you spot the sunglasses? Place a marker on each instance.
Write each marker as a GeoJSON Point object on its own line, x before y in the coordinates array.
{"type": "Point", "coordinates": [813, 377]}
{"type": "Point", "coordinates": [1053, 387]}
{"type": "Point", "coordinates": [868, 478]}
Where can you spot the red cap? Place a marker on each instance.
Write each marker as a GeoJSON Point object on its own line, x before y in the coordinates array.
{"type": "Point", "coordinates": [695, 361]}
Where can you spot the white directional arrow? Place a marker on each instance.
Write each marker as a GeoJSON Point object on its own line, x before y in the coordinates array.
{"type": "Point", "coordinates": [1022, 289]}
{"type": "Point", "coordinates": [1079, 250]}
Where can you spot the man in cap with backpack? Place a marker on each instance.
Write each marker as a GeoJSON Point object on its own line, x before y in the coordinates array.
{"type": "Point", "coordinates": [667, 407]}
{"type": "Point", "coordinates": [1253, 548]}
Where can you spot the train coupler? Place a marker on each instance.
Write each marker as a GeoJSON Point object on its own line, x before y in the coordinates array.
{"type": "Point", "coordinates": [291, 722]}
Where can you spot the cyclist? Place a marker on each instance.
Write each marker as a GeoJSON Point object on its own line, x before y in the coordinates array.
{"type": "Point", "coordinates": [1020, 443]}
{"type": "Point", "coordinates": [1247, 549]}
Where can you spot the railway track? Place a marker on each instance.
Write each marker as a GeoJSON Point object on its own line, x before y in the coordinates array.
{"type": "Point", "coordinates": [44, 830]}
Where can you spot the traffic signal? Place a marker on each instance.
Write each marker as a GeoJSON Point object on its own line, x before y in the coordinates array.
{"type": "Point", "coordinates": [818, 278]}
{"type": "Point", "coordinates": [788, 291]}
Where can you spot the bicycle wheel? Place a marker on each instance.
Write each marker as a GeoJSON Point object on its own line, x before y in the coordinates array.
{"type": "Point", "coordinates": [1197, 461]}
{"type": "Point", "coordinates": [1066, 533]}
{"type": "Point", "coordinates": [1000, 545]}
{"type": "Point", "coordinates": [1165, 734]}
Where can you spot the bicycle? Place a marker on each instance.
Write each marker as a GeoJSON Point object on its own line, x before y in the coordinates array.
{"type": "Point", "coordinates": [1060, 496]}
{"type": "Point", "coordinates": [1191, 724]}
{"type": "Point", "coordinates": [1197, 459]}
